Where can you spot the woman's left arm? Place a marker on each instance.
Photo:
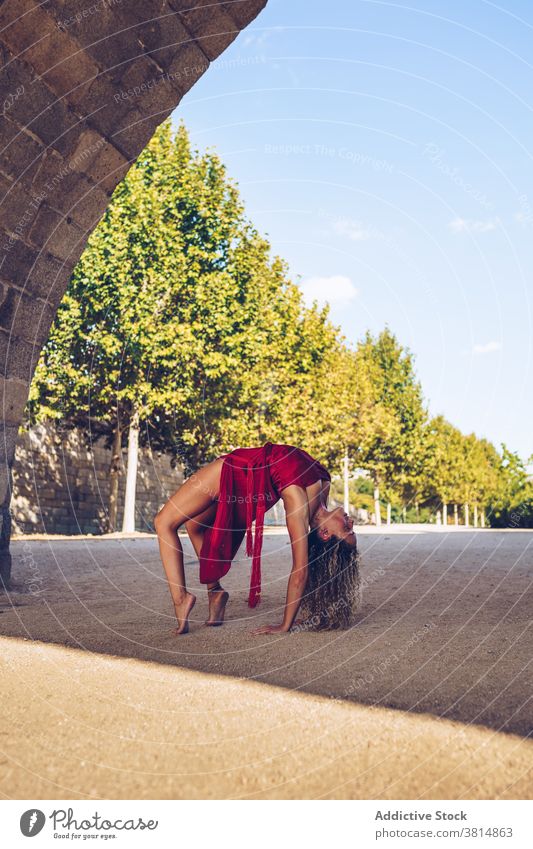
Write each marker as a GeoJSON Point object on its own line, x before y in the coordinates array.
{"type": "Point", "coordinates": [297, 513]}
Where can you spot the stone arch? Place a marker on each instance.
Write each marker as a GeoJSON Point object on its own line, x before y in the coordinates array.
{"type": "Point", "coordinates": [82, 91]}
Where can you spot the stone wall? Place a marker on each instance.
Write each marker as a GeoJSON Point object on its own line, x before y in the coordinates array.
{"type": "Point", "coordinates": [61, 484]}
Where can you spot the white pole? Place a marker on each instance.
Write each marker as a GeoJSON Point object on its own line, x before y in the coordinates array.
{"type": "Point", "coordinates": [346, 485]}
{"type": "Point", "coordinates": [444, 514]}
{"type": "Point", "coordinates": [128, 523]}
{"type": "Point", "coordinates": [483, 518]}
{"type": "Point", "coordinates": [467, 515]}
{"type": "Point", "coordinates": [475, 515]}
{"type": "Point", "coordinates": [455, 515]}
{"type": "Point", "coordinates": [377, 506]}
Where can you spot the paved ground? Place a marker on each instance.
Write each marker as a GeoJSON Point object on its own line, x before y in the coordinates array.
{"type": "Point", "coordinates": [444, 633]}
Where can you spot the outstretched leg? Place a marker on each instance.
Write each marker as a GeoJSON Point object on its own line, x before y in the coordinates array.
{"type": "Point", "coordinates": [216, 594]}
{"type": "Point", "coordinates": [195, 496]}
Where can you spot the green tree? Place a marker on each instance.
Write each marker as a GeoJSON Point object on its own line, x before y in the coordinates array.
{"type": "Point", "coordinates": [443, 459]}
{"type": "Point", "coordinates": [511, 504]}
{"type": "Point", "coordinates": [389, 423]}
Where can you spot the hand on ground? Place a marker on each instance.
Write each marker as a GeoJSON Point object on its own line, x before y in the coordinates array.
{"type": "Point", "coordinates": [269, 629]}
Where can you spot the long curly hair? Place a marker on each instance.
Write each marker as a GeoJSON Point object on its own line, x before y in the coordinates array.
{"type": "Point", "coordinates": [333, 591]}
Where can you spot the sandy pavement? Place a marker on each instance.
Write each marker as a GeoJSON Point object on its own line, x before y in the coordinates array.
{"type": "Point", "coordinates": [120, 708]}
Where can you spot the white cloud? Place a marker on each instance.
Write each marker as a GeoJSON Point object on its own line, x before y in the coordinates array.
{"type": "Point", "coordinates": [488, 348]}
{"type": "Point", "coordinates": [258, 38]}
{"type": "Point", "coordinates": [354, 230]}
{"type": "Point", "coordinates": [336, 289]}
{"type": "Point", "coordinates": [524, 218]}
{"type": "Point", "coordinates": [469, 225]}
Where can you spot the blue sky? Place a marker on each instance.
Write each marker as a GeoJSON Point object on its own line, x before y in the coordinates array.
{"type": "Point", "coordinates": [387, 151]}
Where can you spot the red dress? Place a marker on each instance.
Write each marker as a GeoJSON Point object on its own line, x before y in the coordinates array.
{"type": "Point", "coordinates": [251, 482]}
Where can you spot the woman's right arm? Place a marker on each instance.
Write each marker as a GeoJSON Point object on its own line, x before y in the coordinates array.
{"type": "Point", "coordinates": [297, 526]}
{"type": "Point", "coordinates": [297, 515]}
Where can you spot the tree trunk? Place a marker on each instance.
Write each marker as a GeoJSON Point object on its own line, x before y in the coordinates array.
{"type": "Point", "coordinates": [455, 515]}
{"type": "Point", "coordinates": [482, 517]}
{"type": "Point", "coordinates": [444, 514]}
{"type": "Point", "coordinates": [404, 514]}
{"type": "Point", "coordinates": [346, 485]}
{"type": "Point", "coordinates": [389, 513]}
{"type": "Point", "coordinates": [467, 515]}
{"type": "Point", "coordinates": [114, 476]}
{"type": "Point", "coordinates": [475, 516]}
{"type": "Point", "coordinates": [377, 506]}
{"type": "Point", "coordinates": [128, 524]}
{"type": "Point", "coordinates": [438, 518]}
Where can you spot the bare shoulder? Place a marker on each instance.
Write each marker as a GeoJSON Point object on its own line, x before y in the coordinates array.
{"type": "Point", "coordinates": [296, 509]}
{"type": "Point", "coordinates": [293, 495]}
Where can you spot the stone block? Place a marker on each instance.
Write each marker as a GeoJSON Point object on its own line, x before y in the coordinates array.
{"type": "Point", "coordinates": [9, 130]}
{"type": "Point", "coordinates": [26, 317]}
{"type": "Point", "coordinates": [187, 66]}
{"type": "Point", "coordinates": [21, 20]}
{"type": "Point", "coordinates": [211, 27]}
{"type": "Point", "coordinates": [163, 37]}
{"type": "Point", "coordinates": [49, 277]}
{"type": "Point", "coordinates": [14, 394]}
{"type": "Point", "coordinates": [95, 100]}
{"type": "Point", "coordinates": [68, 191]}
{"type": "Point", "coordinates": [46, 173]}
{"type": "Point", "coordinates": [58, 126]}
{"type": "Point", "coordinates": [18, 210]}
{"type": "Point", "coordinates": [244, 11]}
{"type": "Point", "coordinates": [84, 203]}
{"type": "Point", "coordinates": [16, 262]}
{"type": "Point", "coordinates": [45, 493]}
{"type": "Point", "coordinates": [8, 443]}
{"type": "Point", "coordinates": [18, 358]}
{"type": "Point", "coordinates": [20, 154]}
{"type": "Point", "coordinates": [23, 94]}
{"type": "Point", "coordinates": [99, 160]}
{"type": "Point", "coordinates": [131, 135]}
{"type": "Point", "coordinates": [58, 234]}
{"type": "Point", "coordinates": [5, 483]}
{"type": "Point", "coordinates": [106, 32]}
{"type": "Point", "coordinates": [119, 121]}
{"type": "Point", "coordinates": [147, 89]}
{"type": "Point", "coordinates": [4, 290]}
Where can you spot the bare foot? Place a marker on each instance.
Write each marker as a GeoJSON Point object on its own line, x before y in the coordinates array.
{"type": "Point", "coordinates": [217, 605]}
{"type": "Point", "coordinates": [182, 610]}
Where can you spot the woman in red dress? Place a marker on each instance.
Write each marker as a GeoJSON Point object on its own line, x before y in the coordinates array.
{"type": "Point", "coordinates": [218, 504]}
